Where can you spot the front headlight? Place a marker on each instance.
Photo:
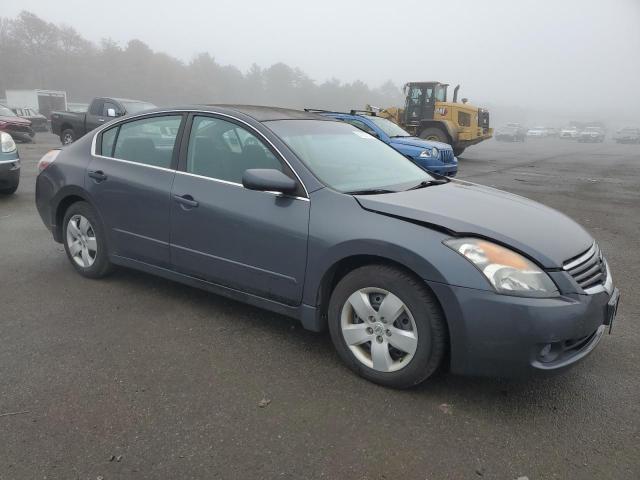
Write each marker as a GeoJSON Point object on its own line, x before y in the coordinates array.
{"type": "Point", "coordinates": [7, 145]}
{"type": "Point", "coordinates": [507, 271]}
{"type": "Point", "coordinates": [433, 153]}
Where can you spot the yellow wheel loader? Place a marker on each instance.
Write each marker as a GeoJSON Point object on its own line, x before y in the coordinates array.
{"type": "Point", "coordinates": [427, 114]}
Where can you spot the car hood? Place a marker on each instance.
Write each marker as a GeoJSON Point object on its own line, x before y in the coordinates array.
{"type": "Point", "coordinates": [419, 143]}
{"type": "Point", "coordinates": [14, 120]}
{"type": "Point", "coordinates": [464, 208]}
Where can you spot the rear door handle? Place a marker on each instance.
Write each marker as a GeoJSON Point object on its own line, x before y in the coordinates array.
{"type": "Point", "coordinates": [186, 200]}
{"type": "Point", "coordinates": [97, 175]}
{"type": "Point", "coordinates": [101, 119]}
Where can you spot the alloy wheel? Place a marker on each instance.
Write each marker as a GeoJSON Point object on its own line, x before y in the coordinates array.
{"type": "Point", "coordinates": [379, 329]}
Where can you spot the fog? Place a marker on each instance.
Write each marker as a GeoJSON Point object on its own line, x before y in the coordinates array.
{"type": "Point", "coordinates": [534, 59]}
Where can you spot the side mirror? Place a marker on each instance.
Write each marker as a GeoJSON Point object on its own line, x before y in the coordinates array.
{"type": "Point", "coordinates": [111, 112]}
{"type": "Point", "coordinates": [268, 180]}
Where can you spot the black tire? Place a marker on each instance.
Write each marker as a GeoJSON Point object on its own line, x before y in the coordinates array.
{"type": "Point", "coordinates": [67, 136]}
{"type": "Point", "coordinates": [9, 190]}
{"type": "Point", "coordinates": [435, 134]}
{"type": "Point", "coordinates": [457, 151]}
{"type": "Point", "coordinates": [429, 321]}
{"type": "Point", "coordinates": [101, 265]}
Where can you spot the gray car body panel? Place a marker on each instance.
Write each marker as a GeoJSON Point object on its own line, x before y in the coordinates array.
{"type": "Point", "coordinates": [293, 246]}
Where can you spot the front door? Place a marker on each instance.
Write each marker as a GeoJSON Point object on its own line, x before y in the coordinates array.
{"type": "Point", "coordinates": [248, 240]}
{"type": "Point", "coordinates": [130, 183]}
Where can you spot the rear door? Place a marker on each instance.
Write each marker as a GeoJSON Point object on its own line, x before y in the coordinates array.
{"type": "Point", "coordinates": [130, 181]}
{"type": "Point", "coordinates": [248, 240]}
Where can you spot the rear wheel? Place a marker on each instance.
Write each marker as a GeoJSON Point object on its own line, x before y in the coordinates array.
{"type": "Point", "coordinates": [84, 241]}
{"type": "Point", "coordinates": [386, 326]}
{"type": "Point", "coordinates": [67, 136]}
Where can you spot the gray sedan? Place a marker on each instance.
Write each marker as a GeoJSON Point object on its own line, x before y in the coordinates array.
{"type": "Point", "coordinates": [315, 219]}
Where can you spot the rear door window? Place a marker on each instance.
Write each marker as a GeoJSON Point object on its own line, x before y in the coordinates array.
{"type": "Point", "coordinates": [149, 141]}
{"type": "Point", "coordinates": [108, 139]}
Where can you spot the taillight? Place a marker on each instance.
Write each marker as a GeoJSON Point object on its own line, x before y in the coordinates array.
{"type": "Point", "coordinates": [47, 159]}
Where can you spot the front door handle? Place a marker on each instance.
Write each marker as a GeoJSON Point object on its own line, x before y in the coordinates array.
{"type": "Point", "coordinates": [186, 200]}
{"type": "Point", "coordinates": [101, 119]}
{"type": "Point", "coordinates": [97, 175]}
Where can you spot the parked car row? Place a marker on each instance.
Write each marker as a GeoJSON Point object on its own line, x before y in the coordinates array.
{"type": "Point", "coordinates": [511, 132]}
{"type": "Point", "coordinates": [627, 135]}
{"type": "Point", "coordinates": [514, 132]}
{"type": "Point", "coordinates": [310, 216]}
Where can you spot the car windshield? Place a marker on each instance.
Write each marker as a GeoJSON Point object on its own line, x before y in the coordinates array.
{"type": "Point", "coordinates": [347, 159]}
{"type": "Point", "coordinates": [389, 128]}
{"type": "Point", "coordinates": [135, 107]}
{"type": "Point", "coordinates": [5, 112]}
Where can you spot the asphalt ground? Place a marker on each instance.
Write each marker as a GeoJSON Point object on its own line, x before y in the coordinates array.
{"type": "Point", "coordinates": [138, 377]}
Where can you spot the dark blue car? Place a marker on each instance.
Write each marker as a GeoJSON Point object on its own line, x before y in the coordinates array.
{"type": "Point", "coordinates": [436, 157]}
{"type": "Point", "coordinates": [315, 219]}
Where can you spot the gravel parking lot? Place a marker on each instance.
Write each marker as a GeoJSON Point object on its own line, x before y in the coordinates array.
{"type": "Point", "coordinates": [138, 377]}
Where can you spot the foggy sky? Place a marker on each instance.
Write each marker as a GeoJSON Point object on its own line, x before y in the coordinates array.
{"type": "Point", "coordinates": [564, 54]}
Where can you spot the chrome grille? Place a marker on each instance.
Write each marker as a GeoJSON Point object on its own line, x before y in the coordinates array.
{"type": "Point", "coordinates": [588, 269]}
{"type": "Point", "coordinates": [446, 156]}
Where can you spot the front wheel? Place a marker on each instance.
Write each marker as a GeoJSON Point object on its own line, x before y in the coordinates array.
{"type": "Point", "coordinates": [387, 326]}
{"type": "Point", "coordinates": [434, 134]}
{"type": "Point", "coordinates": [84, 241]}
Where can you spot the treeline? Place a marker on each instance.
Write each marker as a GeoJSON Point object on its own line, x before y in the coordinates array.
{"type": "Point", "coordinates": [38, 54]}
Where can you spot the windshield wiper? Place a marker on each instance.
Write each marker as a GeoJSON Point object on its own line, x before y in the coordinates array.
{"type": "Point", "coordinates": [400, 136]}
{"type": "Point", "coordinates": [428, 183]}
{"type": "Point", "coordinates": [371, 191]}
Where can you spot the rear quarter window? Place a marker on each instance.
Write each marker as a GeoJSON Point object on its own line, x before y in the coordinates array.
{"type": "Point", "coordinates": [108, 139]}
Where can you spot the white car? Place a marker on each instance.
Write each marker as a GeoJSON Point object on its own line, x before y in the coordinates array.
{"type": "Point", "coordinates": [571, 132]}
{"type": "Point", "coordinates": [537, 132]}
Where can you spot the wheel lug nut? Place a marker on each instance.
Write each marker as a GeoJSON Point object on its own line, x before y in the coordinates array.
{"type": "Point", "coordinates": [379, 339]}
{"type": "Point", "coordinates": [388, 333]}
{"type": "Point", "coordinates": [369, 330]}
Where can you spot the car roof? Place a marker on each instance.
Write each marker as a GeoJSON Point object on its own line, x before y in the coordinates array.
{"type": "Point", "coordinates": [265, 113]}
{"type": "Point", "coordinates": [257, 112]}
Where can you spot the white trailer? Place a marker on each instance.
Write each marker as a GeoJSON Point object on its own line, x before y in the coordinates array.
{"type": "Point", "coordinates": [44, 101]}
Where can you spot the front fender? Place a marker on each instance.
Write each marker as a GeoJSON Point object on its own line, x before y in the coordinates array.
{"type": "Point", "coordinates": [341, 229]}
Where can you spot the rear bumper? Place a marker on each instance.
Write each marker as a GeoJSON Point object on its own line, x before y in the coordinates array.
{"type": "Point", "coordinates": [504, 336]}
